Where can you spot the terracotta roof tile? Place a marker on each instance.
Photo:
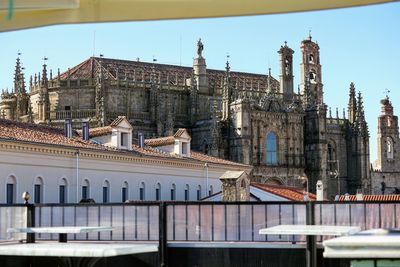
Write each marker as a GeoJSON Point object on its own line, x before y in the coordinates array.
{"type": "Point", "coordinates": [98, 131]}
{"type": "Point", "coordinates": [28, 132]}
{"type": "Point", "coordinates": [373, 198]}
{"type": "Point", "coordinates": [291, 193]}
{"type": "Point", "coordinates": [211, 159]}
{"type": "Point", "coordinates": [162, 141]}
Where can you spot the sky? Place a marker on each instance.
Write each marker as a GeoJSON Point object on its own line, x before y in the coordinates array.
{"type": "Point", "coordinates": [359, 45]}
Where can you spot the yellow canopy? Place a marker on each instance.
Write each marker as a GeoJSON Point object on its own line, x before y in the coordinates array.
{"type": "Point", "coordinates": [19, 14]}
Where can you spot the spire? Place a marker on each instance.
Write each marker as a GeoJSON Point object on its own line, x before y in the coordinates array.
{"type": "Point", "coordinates": [344, 113]}
{"type": "Point", "coordinates": [352, 106]}
{"type": "Point", "coordinates": [362, 124]}
{"type": "Point", "coordinates": [19, 83]}
{"type": "Point", "coordinates": [330, 113]}
{"type": "Point", "coordinates": [337, 113]}
{"type": "Point", "coordinates": [44, 76]}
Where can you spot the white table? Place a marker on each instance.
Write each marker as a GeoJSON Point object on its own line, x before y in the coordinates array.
{"type": "Point", "coordinates": [75, 254]}
{"type": "Point", "coordinates": [61, 230]}
{"type": "Point", "coordinates": [310, 231]}
{"type": "Point", "coordinates": [323, 230]}
{"type": "Point", "coordinates": [377, 245]}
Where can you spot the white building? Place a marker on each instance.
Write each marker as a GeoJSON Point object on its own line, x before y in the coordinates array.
{"type": "Point", "coordinates": [108, 168]}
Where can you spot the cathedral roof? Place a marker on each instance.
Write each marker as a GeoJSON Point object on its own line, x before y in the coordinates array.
{"type": "Point", "coordinates": [138, 70]}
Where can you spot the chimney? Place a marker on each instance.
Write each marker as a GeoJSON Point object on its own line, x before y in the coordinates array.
{"type": "Point", "coordinates": [68, 128]}
{"type": "Point", "coordinates": [85, 130]}
{"type": "Point", "coordinates": [141, 140]}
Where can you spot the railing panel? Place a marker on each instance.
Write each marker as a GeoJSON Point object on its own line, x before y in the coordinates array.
{"type": "Point", "coordinates": [259, 221]}
{"type": "Point", "coordinates": [388, 216]}
{"type": "Point", "coordinates": [273, 219]}
{"type": "Point", "coordinates": [219, 222]}
{"type": "Point", "coordinates": [154, 223]}
{"type": "Point", "coordinates": [246, 224]}
{"type": "Point", "coordinates": [232, 227]}
{"type": "Point", "coordinates": [143, 229]}
{"type": "Point", "coordinates": [357, 212]}
{"type": "Point", "coordinates": [205, 223]}
{"type": "Point", "coordinates": [180, 222]}
{"type": "Point", "coordinates": [372, 216]}
{"type": "Point", "coordinates": [81, 220]}
{"type": "Point", "coordinates": [170, 223]}
{"type": "Point", "coordinates": [93, 220]}
{"type": "Point", "coordinates": [117, 223]}
{"type": "Point", "coordinates": [12, 217]}
{"type": "Point", "coordinates": [342, 214]}
{"type": "Point", "coordinates": [129, 222]}
{"type": "Point", "coordinates": [193, 222]}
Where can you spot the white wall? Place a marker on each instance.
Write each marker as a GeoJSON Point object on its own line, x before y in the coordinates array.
{"type": "Point", "coordinates": [27, 166]}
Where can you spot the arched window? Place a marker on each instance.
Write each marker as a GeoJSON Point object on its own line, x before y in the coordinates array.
{"type": "Point", "coordinates": [331, 157]}
{"type": "Point", "coordinates": [85, 189]}
{"type": "Point", "coordinates": [312, 76]}
{"type": "Point", "coordinates": [63, 191]}
{"type": "Point", "coordinates": [11, 190]}
{"type": "Point", "coordinates": [158, 191]}
{"type": "Point", "coordinates": [271, 149]}
{"type": "Point", "coordinates": [142, 190]}
{"type": "Point", "coordinates": [311, 58]}
{"type": "Point", "coordinates": [38, 190]}
{"type": "Point", "coordinates": [173, 192]}
{"type": "Point", "coordinates": [210, 190]}
{"type": "Point", "coordinates": [389, 148]}
{"type": "Point", "coordinates": [199, 192]}
{"type": "Point", "coordinates": [106, 191]}
{"type": "Point", "coordinates": [187, 192]}
{"type": "Point", "coordinates": [124, 192]}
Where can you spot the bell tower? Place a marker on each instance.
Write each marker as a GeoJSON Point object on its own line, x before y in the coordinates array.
{"type": "Point", "coordinates": [388, 138]}
{"type": "Point", "coordinates": [286, 70]}
{"type": "Point", "coordinates": [310, 68]}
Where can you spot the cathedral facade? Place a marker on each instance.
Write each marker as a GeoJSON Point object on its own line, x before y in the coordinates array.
{"type": "Point", "coordinates": [288, 136]}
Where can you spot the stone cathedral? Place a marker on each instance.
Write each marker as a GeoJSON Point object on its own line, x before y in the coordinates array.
{"type": "Point", "coordinates": [287, 135]}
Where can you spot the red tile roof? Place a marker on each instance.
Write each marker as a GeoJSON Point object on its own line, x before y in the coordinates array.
{"type": "Point", "coordinates": [372, 198]}
{"type": "Point", "coordinates": [41, 134]}
{"type": "Point", "coordinates": [161, 141]}
{"type": "Point", "coordinates": [291, 193]}
{"type": "Point", "coordinates": [28, 132]}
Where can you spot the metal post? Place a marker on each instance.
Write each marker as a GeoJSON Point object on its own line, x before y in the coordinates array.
{"type": "Point", "coordinates": [207, 189]}
{"type": "Point", "coordinates": [311, 246]}
{"type": "Point", "coordinates": [77, 176]}
{"type": "Point", "coordinates": [162, 245]}
{"type": "Point", "coordinates": [30, 222]}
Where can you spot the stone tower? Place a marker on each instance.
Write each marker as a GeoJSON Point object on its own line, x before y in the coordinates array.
{"type": "Point", "coordinates": [226, 93]}
{"type": "Point", "coordinates": [286, 70]}
{"type": "Point", "coordinates": [310, 69]}
{"type": "Point", "coordinates": [200, 69]}
{"type": "Point", "coordinates": [315, 119]}
{"type": "Point", "coordinates": [388, 138]}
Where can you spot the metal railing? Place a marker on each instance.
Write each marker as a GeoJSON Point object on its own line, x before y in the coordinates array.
{"type": "Point", "coordinates": [72, 114]}
{"type": "Point", "coordinates": [196, 221]}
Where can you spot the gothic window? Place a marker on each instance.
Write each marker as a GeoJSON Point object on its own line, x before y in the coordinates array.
{"type": "Point", "coordinates": [389, 148]}
{"type": "Point", "coordinates": [271, 149]}
{"type": "Point", "coordinates": [311, 58]}
{"type": "Point", "coordinates": [389, 122]}
{"type": "Point", "coordinates": [199, 192]}
{"type": "Point", "coordinates": [331, 157]}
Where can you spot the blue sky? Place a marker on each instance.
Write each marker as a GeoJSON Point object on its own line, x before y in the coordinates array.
{"type": "Point", "coordinates": [359, 45]}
